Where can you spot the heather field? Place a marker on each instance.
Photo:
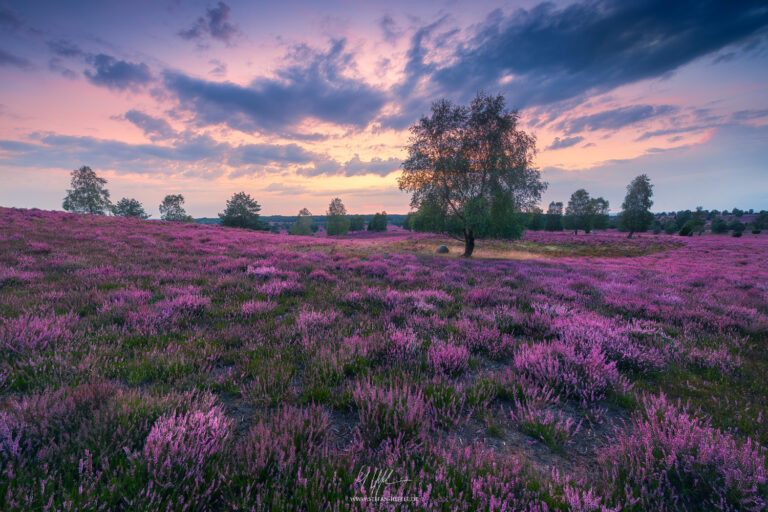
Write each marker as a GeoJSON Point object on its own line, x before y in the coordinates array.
{"type": "Point", "coordinates": [161, 366]}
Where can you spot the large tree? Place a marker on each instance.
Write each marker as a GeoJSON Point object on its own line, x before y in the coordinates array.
{"type": "Point", "coordinates": [578, 213]}
{"type": "Point", "coordinates": [242, 211]}
{"type": "Point", "coordinates": [636, 213]}
{"type": "Point", "coordinates": [338, 223]}
{"type": "Point", "coordinates": [171, 209]}
{"type": "Point", "coordinates": [304, 224]}
{"type": "Point", "coordinates": [87, 194]}
{"type": "Point", "coordinates": [127, 207]}
{"type": "Point", "coordinates": [470, 170]}
{"type": "Point", "coordinates": [378, 222]}
{"type": "Point", "coordinates": [554, 220]}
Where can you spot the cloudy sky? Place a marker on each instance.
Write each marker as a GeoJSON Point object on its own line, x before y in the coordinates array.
{"type": "Point", "coordinates": [297, 102]}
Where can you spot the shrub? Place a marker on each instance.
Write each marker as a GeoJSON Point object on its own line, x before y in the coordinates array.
{"type": "Point", "coordinates": [671, 460]}
{"type": "Point", "coordinates": [391, 412]}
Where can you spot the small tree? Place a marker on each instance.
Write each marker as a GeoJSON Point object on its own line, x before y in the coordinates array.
{"type": "Point", "coordinates": [536, 219]}
{"type": "Point", "coordinates": [719, 226]}
{"type": "Point", "coordinates": [600, 207]}
{"type": "Point", "coordinates": [578, 214]}
{"type": "Point", "coordinates": [470, 170]}
{"type": "Point", "coordinates": [242, 211]}
{"type": "Point", "coordinates": [554, 220]}
{"type": "Point", "coordinates": [87, 194]}
{"type": "Point", "coordinates": [127, 207]}
{"type": "Point", "coordinates": [356, 223]}
{"type": "Point", "coordinates": [378, 222]}
{"type": "Point", "coordinates": [636, 215]}
{"type": "Point", "coordinates": [171, 209]}
{"type": "Point", "coordinates": [303, 225]}
{"type": "Point", "coordinates": [338, 223]}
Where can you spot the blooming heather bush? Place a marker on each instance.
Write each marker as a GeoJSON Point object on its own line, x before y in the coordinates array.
{"type": "Point", "coordinates": [256, 307]}
{"type": "Point", "coordinates": [670, 460]}
{"type": "Point", "coordinates": [585, 331]}
{"type": "Point", "coordinates": [276, 288]}
{"type": "Point", "coordinates": [277, 445]}
{"type": "Point", "coordinates": [482, 339]}
{"type": "Point", "coordinates": [403, 344]}
{"type": "Point", "coordinates": [390, 412]}
{"type": "Point", "coordinates": [35, 332]}
{"type": "Point", "coordinates": [179, 444]}
{"type": "Point", "coordinates": [447, 359]}
{"type": "Point", "coordinates": [584, 376]}
{"type": "Point", "coordinates": [549, 425]}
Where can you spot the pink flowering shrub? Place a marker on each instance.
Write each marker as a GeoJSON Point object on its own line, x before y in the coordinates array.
{"type": "Point", "coordinates": [547, 424]}
{"type": "Point", "coordinates": [585, 376]}
{"type": "Point", "coordinates": [390, 412]}
{"type": "Point", "coordinates": [447, 359]}
{"type": "Point", "coordinates": [275, 288]}
{"type": "Point", "coordinates": [35, 332]}
{"type": "Point", "coordinates": [256, 307]}
{"type": "Point", "coordinates": [672, 460]}
{"type": "Point", "coordinates": [179, 444]}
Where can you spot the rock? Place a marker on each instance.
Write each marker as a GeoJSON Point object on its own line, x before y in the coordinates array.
{"type": "Point", "coordinates": [442, 250]}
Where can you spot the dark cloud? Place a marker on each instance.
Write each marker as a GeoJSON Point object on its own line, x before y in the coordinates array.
{"type": "Point", "coordinates": [56, 65]}
{"type": "Point", "coordinates": [10, 19]}
{"type": "Point", "coordinates": [746, 115]}
{"type": "Point", "coordinates": [117, 74]}
{"type": "Point", "coordinates": [615, 118]}
{"type": "Point", "coordinates": [219, 67]}
{"type": "Point", "coordinates": [64, 48]}
{"type": "Point", "coordinates": [153, 127]}
{"type": "Point", "coordinates": [315, 86]}
{"type": "Point", "coordinates": [263, 154]}
{"type": "Point", "coordinates": [353, 167]}
{"type": "Point", "coordinates": [390, 29]}
{"type": "Point", "coordinates": [548, 54]}
{"type": "Point", "coordinates": [8, 59]}
{"type": "Point", "coordinates": [673, 131]}
{"type": "Point", "coordinates": [567, 142]}
{"type": "Point", "coordinates": [214, 23]}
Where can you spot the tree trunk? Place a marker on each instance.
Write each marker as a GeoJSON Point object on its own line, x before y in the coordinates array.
{"type": "Point", "coordinates": [629, 235]}
{"type": "Point", "coordinates": [469, 244]}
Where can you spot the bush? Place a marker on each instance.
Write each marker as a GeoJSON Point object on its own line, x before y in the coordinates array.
{"type": "Point", "coordinates": [671, 460]}
{"type": "Point", "coordinates": [736, 234]}
{"type": "Point", "coordinates": [719, 226]}
{"type": "Point", "coordinates": [687, 229]}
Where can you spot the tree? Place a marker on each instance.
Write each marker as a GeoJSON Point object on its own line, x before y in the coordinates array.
{"type": "Point", "coordinates": [242, 211]}
{"type": "Point", "coordinates": [473, 166]}
{"type": "Point", "coordinates": [408, 221]}
{"type": "Point", "coordinates": [127, 207]}
{"type": "Point", "coordinates": [719, 225]}
{"type": "Point", "coordinates": [171, 209]}
{"type": "Point", "coordinates": [356, 223]}
{"type": "Point", "coordinates": [87, 194]}
{"type": "Point", "coordinates": [303, 225]}
{"type": "Point", "coordinates": [536, 219]}
{"type": "Point", "coordinates": [578, 213]}
{"type": "Point", "coordinates": [554, 220]}
{"type": "Point", "coordinates": [600, 207]}
{"type": "Point", "coordinates": [636, 215]}
{"type": "Point", "coordinates": [378, 222]}
{"type": "Point", "coordinates": [338, 223]}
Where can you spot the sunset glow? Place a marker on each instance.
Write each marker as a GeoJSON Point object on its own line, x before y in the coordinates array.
{"type": "Point", "coordinates": [299, 102]}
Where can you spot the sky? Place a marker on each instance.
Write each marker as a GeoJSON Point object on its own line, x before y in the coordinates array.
{"type": "Point", "coordinates": [298, 102]}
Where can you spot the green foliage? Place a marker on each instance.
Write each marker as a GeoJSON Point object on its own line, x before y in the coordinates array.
{"type": "Point", "coordinates": [408, 222]}
{"type": "Point", "coordinates": [474, 167]}
{"type": "Point", "coordinates": [129, 208]}
{"type": "Point", "coordinates": [761, 220]}
{"type": "Point", "coordinates": [554, 220]}
{"type": "Point", "coordinates": [636, 215]}
{"type": "Point", "coordinates": [304, 224]}
{"type": "Point", "coordinates": [87, 194]}
{"type": "Point", "coordinates": [736, 226]}
{"type": "Point", "coordinates": [688, 228]}
{"type": "Point", "coordinates": [338, 222]}
{"type": "Point", "coordinates": [357, 223]}
{"type": "Point", "coordinates": [171, 209]}
{"type": "Point", "coordinates": [378, 222]}
{"type": "Point", "coordinates": [242, 211]}
{"type": "Point", "coordinates": [719, 226]}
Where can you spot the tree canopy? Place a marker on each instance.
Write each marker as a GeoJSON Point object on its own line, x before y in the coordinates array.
{"type": "Point", "coordinates": [554, 221]}
{"type": "Point", "coordinates": [304, 225]}
{"type": "Point", "coordinates": [378, 222]}
{"type": "Point", "coordinates": [470, 170]}
{"type": "Point", "coordinates": [171, 209]}
{"type": "Point", "coordinates": [636, 215]}
{"type": "Point", "coordinates": [242, 211]}
{"type": "Point", "coordinates": [586, 213]}
{"type": "Point", "coordinates": [338, 223]}
{"type": "Point", "coordinates": [87, 194]}
{"type": "Point", "coordinates": [128, 207]}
